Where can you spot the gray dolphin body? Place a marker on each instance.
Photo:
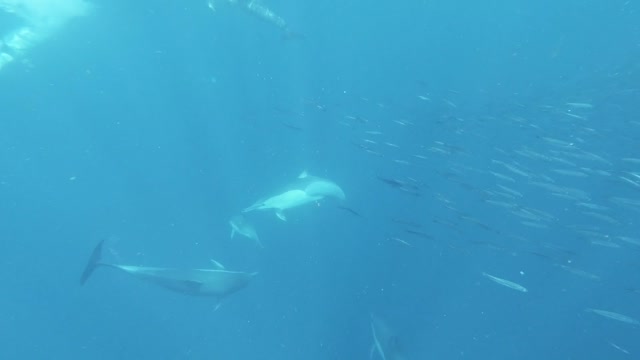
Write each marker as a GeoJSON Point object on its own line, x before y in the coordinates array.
{"type": "Point", "coordinates": [385, 342]}
{"type": "Point", "coordinates": [256, 9]}
{"type": "Point", "coordinates": [306, 189]}
{"type": "Point", "coordinates": [197, 282]}
{"type": "Point", "coordinates": [41, 19]}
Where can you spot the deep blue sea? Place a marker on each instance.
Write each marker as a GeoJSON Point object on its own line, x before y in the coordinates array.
{"type": "Point", "coordinates": [488, 152]}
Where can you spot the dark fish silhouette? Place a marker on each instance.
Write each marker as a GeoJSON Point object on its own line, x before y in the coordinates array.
{"type": "Point", "coordinates": [350, 210]}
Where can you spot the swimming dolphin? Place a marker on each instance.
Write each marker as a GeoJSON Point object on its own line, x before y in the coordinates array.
{"type": "Point", "coordinates": [240, 226]}
{"type": "Point", "coordinates": [40, 20]}
{"type": "Point", "coordinates": [258, 10]}
{"type": "Point", "coordinates": [305, 190]}
{"type": "Point", "coordinates": [385, 342]}
{"type": "Point", "coordinates": [216, 282]}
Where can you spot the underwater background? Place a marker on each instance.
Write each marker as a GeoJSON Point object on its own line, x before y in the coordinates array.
{"type": "Point", "coordinates": [470, 138]}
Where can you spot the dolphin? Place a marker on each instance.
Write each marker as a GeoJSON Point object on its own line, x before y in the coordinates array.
{"type": "Point", "coordinates": [258, 10]}
{"type": "Point", "coordinates": [41, 20]}
{"type": "Point", "coordinates": [216, 282]}
{"type": "Point", "coordinates": [240, 226]}
{"type": "Point", "coordinates": [306, 189]}
{"type": "Point", "coordinates": [385, 342]}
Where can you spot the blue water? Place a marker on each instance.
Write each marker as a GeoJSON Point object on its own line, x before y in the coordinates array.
{"type": "Point", "coordinates": [151, 124]}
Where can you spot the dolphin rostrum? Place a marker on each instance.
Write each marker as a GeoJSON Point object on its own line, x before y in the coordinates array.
{"type": "Point", "coordinates": [240, 225]}
{"type": "Point", "coordinates": [216, 282]}
{"type": "Point", "coordinates": [385, 342]}
{"type": "Point", "coordinates": [306, 189]}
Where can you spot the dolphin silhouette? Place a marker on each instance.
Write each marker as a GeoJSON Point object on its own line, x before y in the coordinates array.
{"type": "Point", "coordinates": [258, 10]}
{"type": "Point", "coordinates": [385, 342]}
{"type": "Point", "coordinates": [216, 282]}
{"type": "Point", "coordinates": [41, 19]}
{"type": "Point", "coordinates": [240, 225]}
{"type": "Point", "coordinates": [306, 189]}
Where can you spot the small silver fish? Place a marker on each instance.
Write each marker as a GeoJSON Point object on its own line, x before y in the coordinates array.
{"type": "Point", "coordinates": [507, 283]}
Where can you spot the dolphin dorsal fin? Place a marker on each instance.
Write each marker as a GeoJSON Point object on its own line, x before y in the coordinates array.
{"type": "Point", "coordinates": [217, 265]}
{"type": "Point", "coordinates": [303, 175]}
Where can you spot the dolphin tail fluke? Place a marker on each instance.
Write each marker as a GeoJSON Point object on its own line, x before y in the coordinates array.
{"type": "Point", "coordinates": [218, 304]}
{"type": "Point", "coordinates": [94, 262]}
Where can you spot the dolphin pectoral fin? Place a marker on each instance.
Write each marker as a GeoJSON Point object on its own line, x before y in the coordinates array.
{"type": "Point", "coordinates": [217, 265]}
{"type": "Point", "coordinates": [281, 216]}
{"type": "Point", "coordinates": [372, 351]}
{"type": "Point", "coordinates": [218, 304]}
{"type": "Point", "coordinates": [233, 232]}
{"type": "Point", "coordinates": [94, 262]}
